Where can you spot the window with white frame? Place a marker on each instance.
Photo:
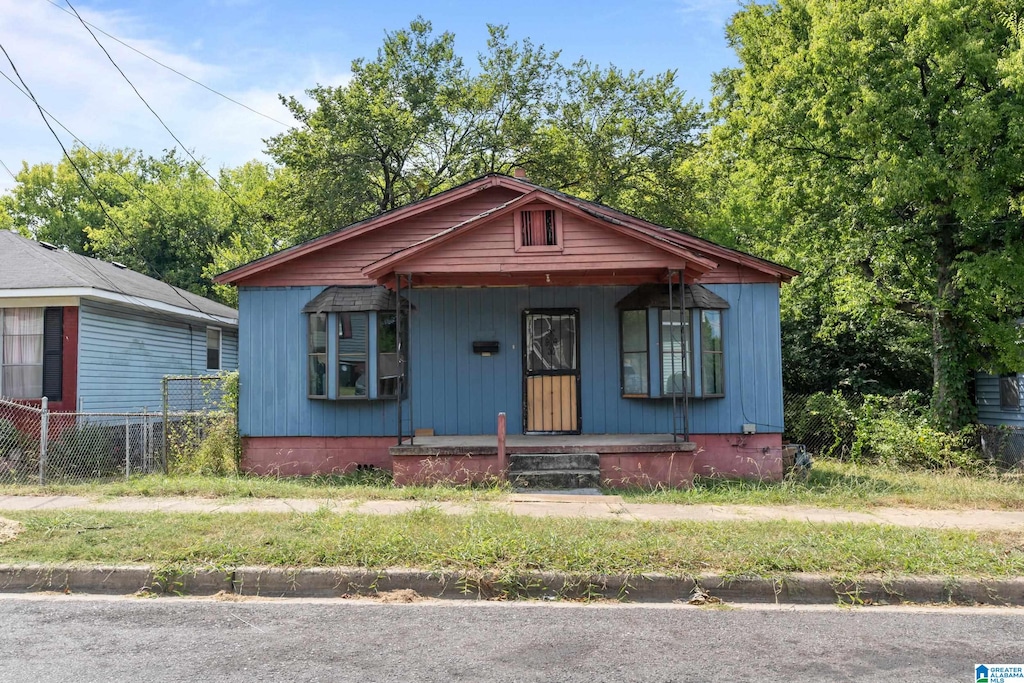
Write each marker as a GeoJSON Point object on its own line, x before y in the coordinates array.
{"type": "Point", "coordinates": [213, 348]}
{"type": "Point", "coordinates": [21, 360]}
{"type": "Point", "coordinates": [675, 352]}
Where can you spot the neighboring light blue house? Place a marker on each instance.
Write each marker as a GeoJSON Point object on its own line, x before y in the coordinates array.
{"type": "Point", "coordinates": [396, 342]}
{"type": "Point", "coordinates": [999, 399]}
{"type": "Point", "coordinates": [95, 336]}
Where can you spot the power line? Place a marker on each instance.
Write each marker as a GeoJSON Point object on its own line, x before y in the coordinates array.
{"type": "Point", "coordinates": [96, 196]}
{"type": "Point", "coordinates": [9, 171]}
{"type": "Point", "coordinates": [172, 69]}
{"type": "Point", "coordinates": [158, 118]}
{"type": "Point", "coordinates": [79, 140]}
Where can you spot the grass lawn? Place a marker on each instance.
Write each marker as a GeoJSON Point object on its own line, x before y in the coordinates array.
{"type": "Point", "coordinates": [830, 484]}
{"type": "Point", "coordinates": [495, 541]}
{"type": "Point", "coordinates": [844, 485]}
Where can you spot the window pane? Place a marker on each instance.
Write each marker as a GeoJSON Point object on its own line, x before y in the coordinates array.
{"type": "Point", "coordinates": [551, 342]}
{"type": "Point", "coordinates": [634, 374]}
{"type": "Point", "coordinates": [212, 348]}
{"type": "Point", "coordinates": [711, 330]}
{"type": "Point", "coordinates": [318, 333]}
{"type": "Point", "coordinates": [634, 331]}
{"type": "Point", "coordinates": [23, 321]}
{"type": "Point", "coordinates": [712, 374]}
{"type": "Point", "coordinates": [23, 381]}
{"type": "Point", "coordinates": [22, 359]}
{"type": "Point", "coordinates": [388, 367]}
{"type": "Point", "coordinates": [352, 346]}
{"type": "Point", "coordinates": [318, 375]}
{"type": "Point", "coordinates": [1009, 393]}
{"type": "Point", "coordinates": [675, 351]}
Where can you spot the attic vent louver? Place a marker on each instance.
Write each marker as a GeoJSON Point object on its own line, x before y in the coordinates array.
{"type": "Point", "coordinates": [47, 245]}
{"type": "Point", "coordinates": [119, 265]}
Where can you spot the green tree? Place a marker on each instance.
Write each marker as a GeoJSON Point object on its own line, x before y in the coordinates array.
{"type": "Point", "coordinates": [416, 121]}
{"type": "Point", "coordinates": [882, 143]}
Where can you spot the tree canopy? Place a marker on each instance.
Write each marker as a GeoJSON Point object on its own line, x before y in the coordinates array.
{"type": "Point", "coordinates": [878, 146]}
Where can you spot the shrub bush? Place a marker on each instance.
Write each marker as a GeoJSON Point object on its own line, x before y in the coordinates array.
{"type": "Point", "coordinates": [209, 444]}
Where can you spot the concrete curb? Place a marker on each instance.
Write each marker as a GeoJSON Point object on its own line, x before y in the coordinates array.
{"type": "Point", "coordinates": [348, 582]}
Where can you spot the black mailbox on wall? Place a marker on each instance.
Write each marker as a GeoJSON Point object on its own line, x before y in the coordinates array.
{"type": "Point", "coordinates": [485, 348]}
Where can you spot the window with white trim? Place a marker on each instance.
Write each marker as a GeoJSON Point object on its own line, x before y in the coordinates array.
{"type": "Point", "coordinates": [214, 338]}
{"type": "Point", "coordinates": [32, 352]}
{"type": "Point", "coordinates": [21, 352]}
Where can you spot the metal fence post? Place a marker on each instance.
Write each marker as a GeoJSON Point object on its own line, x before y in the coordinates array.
{"type": "Point", "coordinates": [127, 448]}
{"type": "Point", "coordinates": [163, 446]}
{"type": "Point", "coordinates": [44, 437]}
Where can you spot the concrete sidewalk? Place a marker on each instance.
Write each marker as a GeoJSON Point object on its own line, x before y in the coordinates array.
{"type": "Point", "coordinates": [543, 505]}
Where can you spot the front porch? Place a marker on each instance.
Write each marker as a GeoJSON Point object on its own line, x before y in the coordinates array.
{"type": "Point", "coordinates": [623, 459]}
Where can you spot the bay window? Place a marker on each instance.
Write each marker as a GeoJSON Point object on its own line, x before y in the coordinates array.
{"type": "Point", "coordinates": [353, 349]}
{"type": "Point", "coordinates": [664, 350]}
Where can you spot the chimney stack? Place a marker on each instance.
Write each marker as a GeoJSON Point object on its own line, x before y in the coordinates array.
{"type": "Point", "coordinates": [519, 173]}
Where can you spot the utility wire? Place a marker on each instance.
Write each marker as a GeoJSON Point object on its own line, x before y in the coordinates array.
{"type": "Point", "coordinates": [9, 171]}
{"type": "Point", "coordinates": [172, 69]}
{"type": "Point", "coordinates": [79, 140]}
{"type": "Point", "coordinates": [241, 208]}
{"type": "Point", "coordinates": [96, 196]}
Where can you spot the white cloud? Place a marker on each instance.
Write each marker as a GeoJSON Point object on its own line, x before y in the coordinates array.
{"type": "Point", "coordinates": [74, 80]}
{"type": "Point", "coordinates": [714, 12]}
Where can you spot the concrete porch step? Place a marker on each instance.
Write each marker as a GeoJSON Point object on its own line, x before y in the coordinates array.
{"type": "Point", "coordinates": [556, 479]}
{"type": "Point", "coordinates": [533, 462]}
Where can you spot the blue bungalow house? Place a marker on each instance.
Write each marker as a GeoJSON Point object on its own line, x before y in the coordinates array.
{"type": "Point", "coordinates": [396, 342]}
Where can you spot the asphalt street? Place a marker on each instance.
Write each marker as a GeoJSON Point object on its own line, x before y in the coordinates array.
{"type": "Point", "coordinates": [68, 638]}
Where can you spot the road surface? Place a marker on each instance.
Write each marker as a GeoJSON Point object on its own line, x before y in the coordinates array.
{"type": "Point", "coordinates": [69, 638]}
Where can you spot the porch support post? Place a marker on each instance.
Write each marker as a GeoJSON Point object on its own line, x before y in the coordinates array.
{"type": "Point", "coordinates": [403, 358]}
{"type": "Point", "coordinates": [683, 341]}
{"type": "Point", "coordinates": [686, 371]}
{"type": "Point", "coordinates": [398, 344]}
{"type": "Point", "coordinates": [672, 358]}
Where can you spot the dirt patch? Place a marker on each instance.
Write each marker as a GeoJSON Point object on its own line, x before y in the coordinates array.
{"type": "Point", "coordinates": [9, 529]}
{"type": "Point", "coordinates": [401, 595]}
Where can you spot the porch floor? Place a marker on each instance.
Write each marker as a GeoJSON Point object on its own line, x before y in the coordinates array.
{"type": "Point", "coordinates": [487, 444]}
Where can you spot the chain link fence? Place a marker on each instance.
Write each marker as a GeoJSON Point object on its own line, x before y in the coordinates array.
{"type": "Point", "coordinates": [826, 424]}
{"type": "Point", "coordinates": [41, 446]}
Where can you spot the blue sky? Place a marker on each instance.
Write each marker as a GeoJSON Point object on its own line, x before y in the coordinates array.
{"type": "Point", "coordinates": [254, 49]}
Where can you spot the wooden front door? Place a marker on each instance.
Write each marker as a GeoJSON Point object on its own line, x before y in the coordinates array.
{"type": "Point", "coordinates": [551, 391]}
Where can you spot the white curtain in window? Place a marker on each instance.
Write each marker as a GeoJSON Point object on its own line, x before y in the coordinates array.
{"type": "Point", "coordinates": [23, 352]}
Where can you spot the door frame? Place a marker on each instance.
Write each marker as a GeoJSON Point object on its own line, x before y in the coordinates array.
{"type": "Point", "coordinates": [576, 374]}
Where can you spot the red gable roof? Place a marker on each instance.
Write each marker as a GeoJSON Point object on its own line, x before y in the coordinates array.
{"type": "Point", "coordinates": [699, 254]}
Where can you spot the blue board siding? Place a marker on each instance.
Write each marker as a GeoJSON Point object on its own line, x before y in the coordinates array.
{"type": "Point", "coordinates": [990, 411]}
{"type": "Point", "coordinates": [458, 392]}
{"type": "Point", "coordinates": [123, 354]}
